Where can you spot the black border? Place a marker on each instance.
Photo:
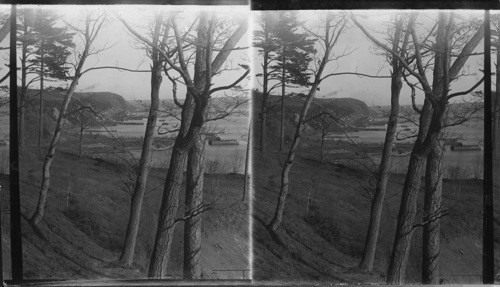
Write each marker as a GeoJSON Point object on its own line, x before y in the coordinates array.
{"type": "Point", "coordinates": [16, 245]}
{"type": "Point", "coordinates": [367, 4]}
{"type": "Point", "coordinates": [128, 2]}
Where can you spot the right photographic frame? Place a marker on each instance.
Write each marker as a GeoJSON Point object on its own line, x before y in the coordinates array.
{"type": "Point", "coordinates": [371, 162]}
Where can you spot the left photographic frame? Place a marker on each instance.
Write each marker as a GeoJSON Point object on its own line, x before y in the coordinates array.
{"type": "Point", "coordinates": [132, 130]}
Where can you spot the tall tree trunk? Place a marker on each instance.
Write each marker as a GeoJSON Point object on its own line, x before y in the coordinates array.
{"type": "Point", "coordinates": [383, 176]}
{"type": "Point", "coordinates": [40, 111]}
{"type": "Point", "coordinates": [127, 254]}
{"type": "Point", "coordinates": [282, 121]}
{"type": "Point", "coordinates": [22, 99]}
{"type": "Point", "coordinates": [193, 203]}
{"type": "Point", "coordinates": [406, 217]}
{"type": "Point", "coordinates": [263, 108]}
{"type": "Point", "coordinates": [385, 162]}
{"type": "Point", "coordinates": [247, 163]}
{"type": "Point", "coordinates": [431, 215]}
{"type": "Point", "coordinates": [166, 221]}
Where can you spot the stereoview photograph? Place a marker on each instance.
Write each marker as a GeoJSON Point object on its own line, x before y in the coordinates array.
{"type": "Point", "coordinates": [368, 159]}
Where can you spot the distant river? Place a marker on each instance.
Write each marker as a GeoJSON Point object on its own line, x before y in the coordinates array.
{"type": "Point", "coordinates": [456, 164]}
{"type": "Point", "coordinates": [218, 158]}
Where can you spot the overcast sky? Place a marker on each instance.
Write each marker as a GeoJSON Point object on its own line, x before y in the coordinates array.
{"type": "Point", "coordinates": [125, 52]}
{"type": "Point", "coordinates": [363, 60]}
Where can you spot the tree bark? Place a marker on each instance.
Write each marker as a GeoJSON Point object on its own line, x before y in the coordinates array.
{"type": "Point", "coordinates": [127, 254]}
{"type": "Point", "coordinates": [247, 163]}
{"type": "Point", "coordinates": [22, 99]}
{"type": "Point", "coordinates": [385, 162]}
{"type": "Point", "coordinates": [193, 203]}
{"type": "Point", "coordinates": [383, 176]}
{"type": "Point", "coordinates": [40, 111]}
{"type": "Point", "coordinates": [431, 215]}
{"type": "Point", "coordinates": [263, 108]}
{"type": "Point", "coordinates": [282, 119]}
{"type": "Point", "coordinates": [168, 213]}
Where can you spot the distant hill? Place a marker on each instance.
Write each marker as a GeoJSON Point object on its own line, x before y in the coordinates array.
{"type": "Point", "coordinates": [143, 105]}
{"type": "Point", "coordinates": [348, 105]}
{"type": "Point", "coordinates": [105, 101]}
{"type": "Point", "coordinates": [338, 106]}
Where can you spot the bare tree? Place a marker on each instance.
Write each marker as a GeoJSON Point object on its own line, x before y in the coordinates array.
{"type": "Point", "coordinates": [399, 46]}
{"type": "Point", "coordinates": [207, 64]}
{"type": "Point", "coordinates": [93, 24]}
{"type": "Point", "coordinates": [334, 26]}
{"type": "Point", "coordinates": [431, 121]}
{"type": "Point", "coordinates": [127, 254]}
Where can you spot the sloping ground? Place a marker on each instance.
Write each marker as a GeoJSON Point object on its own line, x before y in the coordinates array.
{"type": "Point", "coordinates": [325, 241]}
{"type": "Point", "coordinates": [81, 235]}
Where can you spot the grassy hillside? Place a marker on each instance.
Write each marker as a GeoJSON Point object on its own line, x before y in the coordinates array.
{"type": "Point", "coordinates": [82, 233]}
{"type": "Point", "coordinates": [83, 230]}
{"type": "Point", "coordinates": [324, 239]}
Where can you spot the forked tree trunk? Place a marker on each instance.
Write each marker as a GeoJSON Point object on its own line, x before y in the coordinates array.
{"type": "Point", "coordinates": [385, 162]}
{"type": "Point", "coordinates": [168, 211]}
{"type": "Point", "coordinates": [431, 215]}
{"type": "Point", "coordinates": [193, 203]}
{"type": "Point", "coordinates": [427, 137]}
{"type": "Point", "coordinates": [193, 117]}
{"type": "Point", "coordinates": [127, 254]}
